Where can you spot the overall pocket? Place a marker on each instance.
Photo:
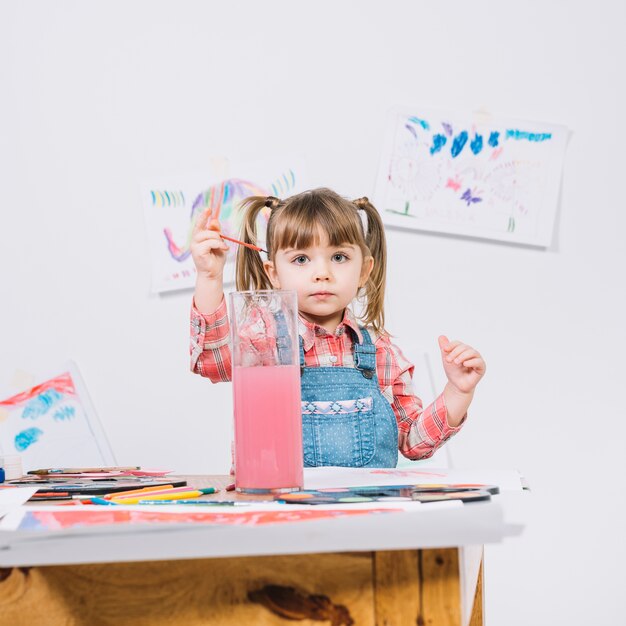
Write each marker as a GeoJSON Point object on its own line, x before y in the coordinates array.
{"type": "Point", "coordinates": [339, 433]}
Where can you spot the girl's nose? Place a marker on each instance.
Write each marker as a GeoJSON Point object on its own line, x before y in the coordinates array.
{"type": "Point", "coordinates": [322, 272]}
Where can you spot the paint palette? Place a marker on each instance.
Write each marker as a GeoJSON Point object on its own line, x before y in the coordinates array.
{"type": "Point", "coordinates": [391, 493]}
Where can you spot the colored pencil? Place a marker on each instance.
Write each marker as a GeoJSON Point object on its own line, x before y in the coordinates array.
{"type": "Point", "coordinates": [182, 495]}
{"type": "Point", "coordinates": [202, 502]}
{"type": "Point", "coordinates": [95, 500]}
{"type": "Point", "coordinates": [122, 495]}
{"type": "Point", "coordinates": [119, 494]}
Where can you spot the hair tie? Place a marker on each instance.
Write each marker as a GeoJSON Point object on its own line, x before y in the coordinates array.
{"type": "Point", "coordinates": [271, 202]}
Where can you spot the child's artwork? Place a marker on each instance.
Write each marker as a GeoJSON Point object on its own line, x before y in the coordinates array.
{"type": "Point", "coordinates": [87, 517]}
{"type": "Point", "coordinates": [173, 206]}
{"type": "Point", "coordinates": [53, 424]}
{"type": "Point", "coordinates": [472, 175]}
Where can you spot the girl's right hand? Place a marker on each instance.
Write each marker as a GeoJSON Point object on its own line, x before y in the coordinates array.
{"type": "Point", "coordinates": [208, 249]}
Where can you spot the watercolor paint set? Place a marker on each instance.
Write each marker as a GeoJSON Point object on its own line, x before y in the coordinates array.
{"type": "Point", "coordinates": [391, 493]}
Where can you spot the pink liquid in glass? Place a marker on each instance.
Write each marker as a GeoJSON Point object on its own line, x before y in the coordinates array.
{"type": "Point", "coordinates": [268, 428]}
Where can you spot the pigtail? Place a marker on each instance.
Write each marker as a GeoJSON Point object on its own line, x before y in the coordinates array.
{"type": "Point", "coordinates": [374, 288]}
{"type": "Point", "coordinates": [250, 273]}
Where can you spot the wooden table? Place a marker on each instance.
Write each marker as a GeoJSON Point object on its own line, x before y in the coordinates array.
{"type": "Point", "coordinates": [410, 585]}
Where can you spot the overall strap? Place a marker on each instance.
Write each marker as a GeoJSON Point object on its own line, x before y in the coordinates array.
{"type": "Point", "coordinates": [283, 340]}
{"type": "Point", "coordinates": [365, 355]}
{"type": "Point", "coordinates": [301, 344]}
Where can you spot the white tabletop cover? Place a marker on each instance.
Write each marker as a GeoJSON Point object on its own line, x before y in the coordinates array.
{"type": "Point", "coordinates": [46, 535]}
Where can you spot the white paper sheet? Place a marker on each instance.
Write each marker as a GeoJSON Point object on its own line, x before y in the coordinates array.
{"type": "Point", "coordinates": [329, 477]}
{"type": "Point", "coordinates": [12, 498]}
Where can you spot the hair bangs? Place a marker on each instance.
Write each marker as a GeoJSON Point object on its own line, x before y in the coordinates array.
{"type": "Point", "coordinates": [309, 217]}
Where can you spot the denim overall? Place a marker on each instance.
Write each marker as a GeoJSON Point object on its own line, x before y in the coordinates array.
{"type": "Point", "coordinates": [346, 420]}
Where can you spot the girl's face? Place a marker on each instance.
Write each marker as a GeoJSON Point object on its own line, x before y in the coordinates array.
{"type": "Point", "coordinates": [326, 278]}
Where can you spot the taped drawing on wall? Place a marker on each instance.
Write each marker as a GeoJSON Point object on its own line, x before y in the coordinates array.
{"type": "Point", "coordinates": [473, 175]}
{"type": "Point", "coordinates": [172, 207]}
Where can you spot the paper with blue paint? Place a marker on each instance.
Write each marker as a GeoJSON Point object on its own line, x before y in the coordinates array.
{"type": "Point", "coordinates": [53, 424]}
{"type": "Point", "coordinates": [475, 175]}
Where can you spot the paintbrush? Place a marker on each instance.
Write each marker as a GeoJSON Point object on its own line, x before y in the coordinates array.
{"type": "Point", "coordinates": [243, 243]}
{"type": "Point", "coordinates": [214, 224]}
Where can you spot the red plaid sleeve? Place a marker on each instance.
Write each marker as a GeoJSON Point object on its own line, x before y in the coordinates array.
{"type": "Point", "coordinates": [420, 431]}
{"type": "Point", "coordinates": [209, 345]}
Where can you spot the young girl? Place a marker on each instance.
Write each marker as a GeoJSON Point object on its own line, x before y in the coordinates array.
{"type": "Point", "coordinates": [358, 403]}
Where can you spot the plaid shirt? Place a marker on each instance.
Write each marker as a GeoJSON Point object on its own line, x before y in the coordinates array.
{"type": "Point", "coordinates": [420, 431]}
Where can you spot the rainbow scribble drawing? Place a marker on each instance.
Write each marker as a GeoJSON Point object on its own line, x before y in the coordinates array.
{"type": "Point", "coordinates": [167, 198]}
{"type": "Point", "coordinates": [172, 211]}
{"type": "Point", "coordinates": [53, 423]}
{"type": "Point", "coordinates": [223, 197]}
{"type": "Point", "coordinates": [484, 177]}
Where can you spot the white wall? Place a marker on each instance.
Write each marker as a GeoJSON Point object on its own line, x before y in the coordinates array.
{"type": "Point", "coordinates": [97, 95]}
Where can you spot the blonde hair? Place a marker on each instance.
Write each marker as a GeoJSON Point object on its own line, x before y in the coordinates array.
{"type": "Point", "coordinates": [296, 222]}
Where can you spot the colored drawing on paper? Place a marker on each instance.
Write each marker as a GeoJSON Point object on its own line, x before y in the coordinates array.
{"type": "Point", "coordinates": [496, 179]}
{"type": "Point", "coordinates": [223, 200]}
{"type": "Point", "coordinates": [59, 520]}
{"type": "Point", "coordinates": [172, 211]}
{"type": "Point", "coordinates": [52, 423]}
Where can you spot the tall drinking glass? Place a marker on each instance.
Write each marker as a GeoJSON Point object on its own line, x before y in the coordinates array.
{"type": "Point", "coordinates": [266, 391]}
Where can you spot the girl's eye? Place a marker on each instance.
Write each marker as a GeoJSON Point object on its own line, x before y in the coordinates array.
{"type": "Point", "coordinates": [300, 260]}
{"type": "Point", "coordinates": [339, 257]}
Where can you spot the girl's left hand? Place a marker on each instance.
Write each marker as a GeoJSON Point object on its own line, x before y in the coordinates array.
{"type": "Point", "coordinates": [463, 365]}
